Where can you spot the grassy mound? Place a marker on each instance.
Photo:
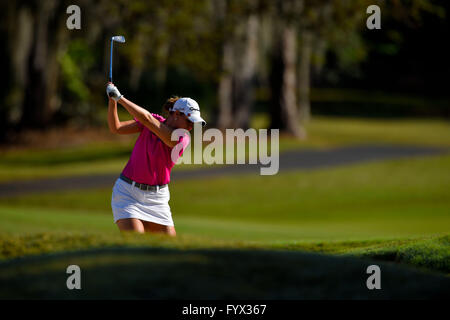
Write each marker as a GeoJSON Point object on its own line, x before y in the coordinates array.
{"type": "Point", "coordinates": [161, 273]}
{"type": "Point", "coordinates": [431, 253]}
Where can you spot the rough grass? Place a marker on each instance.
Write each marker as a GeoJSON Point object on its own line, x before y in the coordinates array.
{"type": "Point", "coordinates": [431, 253]}
{"type": "Point", "coordinates": [323, 132]}
{"type": "Point", "coordinates": [86, 159]}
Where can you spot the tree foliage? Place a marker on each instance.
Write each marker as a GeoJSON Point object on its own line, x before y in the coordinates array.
{"type": "Point", "coordinates": [222, 50]}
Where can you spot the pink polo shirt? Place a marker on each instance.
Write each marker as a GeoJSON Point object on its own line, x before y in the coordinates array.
{"type": "Point", "coordinates": [151, 162]}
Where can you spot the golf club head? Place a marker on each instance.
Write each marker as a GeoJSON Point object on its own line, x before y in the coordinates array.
{"type": "Point", "coordinates": [118, 39]}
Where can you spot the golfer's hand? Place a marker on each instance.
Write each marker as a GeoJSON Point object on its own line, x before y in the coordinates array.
{"type": "Point", "coordinates": [113, 92]}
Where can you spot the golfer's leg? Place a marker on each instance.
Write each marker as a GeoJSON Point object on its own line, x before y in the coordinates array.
{"type": "Point", "coordinates": [130, 224]}
{"type": "Point", "coordinates": [159, 228]}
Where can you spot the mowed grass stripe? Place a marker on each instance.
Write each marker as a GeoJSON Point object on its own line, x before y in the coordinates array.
{"type": "Point", "coordinates": [342, 230]}
{"type": "Point", "coordinates": [37, 220]}
{"type": "Point", "coordinates": [16, 220]}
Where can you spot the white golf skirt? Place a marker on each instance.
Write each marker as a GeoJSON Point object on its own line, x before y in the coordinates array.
{"type": "Point", "coordinates": [130, 202]}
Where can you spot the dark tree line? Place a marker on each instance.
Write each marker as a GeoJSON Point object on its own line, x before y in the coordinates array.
{"type": "Point", "coordinates": [236, 47]}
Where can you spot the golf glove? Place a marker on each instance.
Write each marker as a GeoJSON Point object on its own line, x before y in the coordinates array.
{"type": "Point", "coordinates": [113, 92]}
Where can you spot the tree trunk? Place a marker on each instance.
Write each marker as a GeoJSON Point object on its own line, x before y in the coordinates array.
{"type": "Point", "coordinates": [225, 117]}
{"type": "Point", "coordinates": [289, 86]}
{"type": "Point", "coordinates": [275, 81]}
{"type": "Point", "coordinates": [18, 53]}
{"type": "Point", "coordinates": [42, 68]}
{"type": "Point", "coordinates": [136, 66]}
{"type": "Point", "coordinates": [284, 83]}
{"type": "Point", "coordinates": [305, 76]}
{"type": "Point", "coordinates": [245, 75]}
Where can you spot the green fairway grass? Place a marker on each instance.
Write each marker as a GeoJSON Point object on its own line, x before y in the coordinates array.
{"type": "Point", "coordinates": [325, 132]}
{"type": "Point", "coordinates": [366, 206]}
{"type": "Point", "coordinates": [395, 198]}
{"type": "Point", "coordinates": [392, 213]}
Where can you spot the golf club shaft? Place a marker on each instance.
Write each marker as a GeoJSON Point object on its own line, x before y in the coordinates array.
{"type": "Point", "coordinates": [110, 62]}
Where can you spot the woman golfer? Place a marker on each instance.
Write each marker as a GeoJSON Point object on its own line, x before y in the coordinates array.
{"type": "Point", "coordinates": [140, 197]}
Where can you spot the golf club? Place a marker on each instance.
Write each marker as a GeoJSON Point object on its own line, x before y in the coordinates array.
{"type": "Point", "coordinates": [120, 39]}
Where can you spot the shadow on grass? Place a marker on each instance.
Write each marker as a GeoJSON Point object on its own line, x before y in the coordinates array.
{"type": "Point", "coordinates": [161, 273]}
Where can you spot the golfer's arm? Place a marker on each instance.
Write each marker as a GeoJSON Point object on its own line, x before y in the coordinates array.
{"type": "Point", "coordinates": [117, 126]}
{"type": "Point", "coordinates": [145, 118]}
